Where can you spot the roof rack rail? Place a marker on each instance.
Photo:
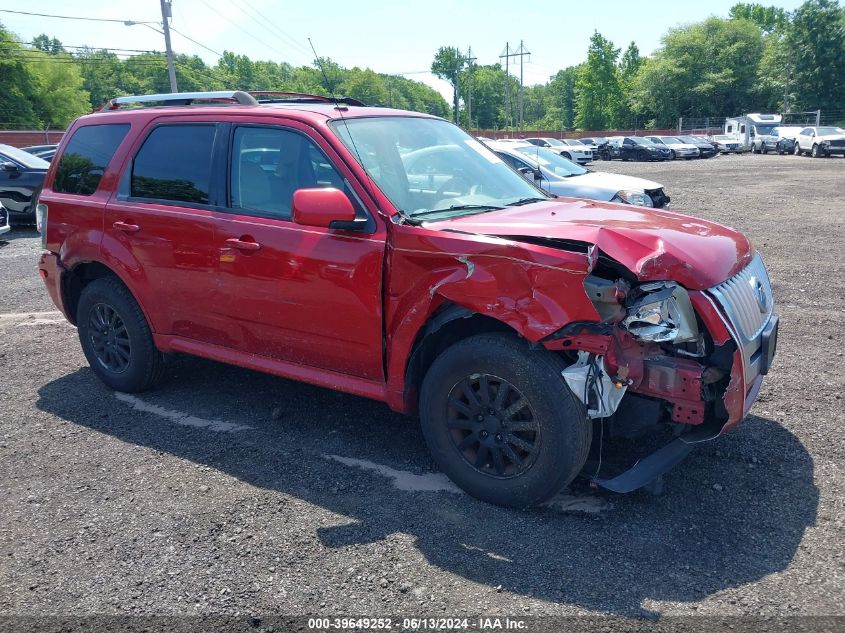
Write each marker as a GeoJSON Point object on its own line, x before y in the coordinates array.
{"type": "Point", "coordinates": [273, 96]}
{"type": "Point", "coordinates": [184, 98]}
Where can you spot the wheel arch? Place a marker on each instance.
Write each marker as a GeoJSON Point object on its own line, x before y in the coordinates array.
{"type": "Point", "coordinates": [449, 324]}
{"type": "Point", "coordinates": [75, 279]}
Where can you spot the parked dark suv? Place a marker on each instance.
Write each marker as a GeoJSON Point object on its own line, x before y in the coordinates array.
{"type": "Point", "coordinates": [21, 177]}
{"type": "Point", "coordinates": [285, 234]}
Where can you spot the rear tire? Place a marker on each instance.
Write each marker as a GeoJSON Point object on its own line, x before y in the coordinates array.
{"type": "Point", "coordinates": [797, 150]}
{"type": "Point", "coordinates": [115, 337]}
{"type": "Point", "coordinates": [515, 456]}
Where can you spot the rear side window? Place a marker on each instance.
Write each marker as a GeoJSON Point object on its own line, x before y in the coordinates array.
{"type": "Point", "coordinates": [174, 164]}
{"type": "Point", "coordinates": [86, 157]}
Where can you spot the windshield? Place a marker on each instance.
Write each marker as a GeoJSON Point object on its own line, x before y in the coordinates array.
{"type": "Point", "coordinates": [642, 141]}
{"type": "Point", "coordinates": [554, 142]}
{"type": "Point", "coordinates": [689, 139]}
{"type": "Point", "coordinates": [573, 141]}
{"type": "Point", "coordinates": [670, 139]}
{"type": "Point", "coordinates": [764, 129]}
{"type": "Point", "coordinates": [24, 158]}
{"type": "Point", "coordinates": [552, 162]}
{"type": "Point", "coordinates": [824, 131]}
{"type": "Point", "coordinates": [431, 167]}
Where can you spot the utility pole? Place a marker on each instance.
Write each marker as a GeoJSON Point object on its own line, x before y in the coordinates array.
{"type": "Point", "coordinates": [470, 59]}
{"type": "Point", "coordinates": [506, 54]}
{"type": "Point", "coordinates": [520, 52]}
{"type": "Point", "coordinates": [171, 70]}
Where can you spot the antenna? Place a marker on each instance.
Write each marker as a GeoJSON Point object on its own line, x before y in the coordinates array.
{"type": "Point", "coordinates": [322, 70]}
{"type": "Point", "coordinates": [340, 108]}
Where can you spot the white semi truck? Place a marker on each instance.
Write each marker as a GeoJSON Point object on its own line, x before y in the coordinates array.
{"type": "Point", "coordinates": [744, 128]}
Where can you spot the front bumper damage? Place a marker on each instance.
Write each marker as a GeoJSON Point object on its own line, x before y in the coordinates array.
{"type": "Point", "coordinates": [702, 394]}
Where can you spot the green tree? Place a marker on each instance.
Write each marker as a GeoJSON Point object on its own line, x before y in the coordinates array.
{"type": "Point", "coordinates": [816, 42]}
{"type": "Point", "coordinates": [61, 96]}
{"type": "Point", "coordinates": [18, 84]}
{"type": "Point", "coordinates": [447, 65]}
{"type": "Point", "coordinates": [598, 95]}
{"type": "Point", "coordinates": [704, 69]}
{"type": "Point", "coordinates": [769, 19]}
{"type": "Point", "coordinates": [47, 44]}
{"type": "Point", "coordinates": [560, 101]}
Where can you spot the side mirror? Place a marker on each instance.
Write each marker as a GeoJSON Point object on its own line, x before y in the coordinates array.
{"type": "Point", "coordinates": [9, 167]}
{"type": "Point", "coordinates": [325, 207]}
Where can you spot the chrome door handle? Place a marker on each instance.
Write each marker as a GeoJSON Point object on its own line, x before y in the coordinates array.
{"type": "Point", "coordinates": [234, 242]}
{"type": "Point", "coordinates": [126, 227]}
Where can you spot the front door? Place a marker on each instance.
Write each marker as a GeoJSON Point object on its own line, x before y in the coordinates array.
{"type": "Point", "coordinates": [302, 294]}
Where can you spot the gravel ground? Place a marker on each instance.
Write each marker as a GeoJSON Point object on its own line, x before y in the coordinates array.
{"type": "Point", "coordinates": [225, 491]}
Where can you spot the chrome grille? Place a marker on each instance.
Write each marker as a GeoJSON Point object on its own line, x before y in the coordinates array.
{"type": "Point", "coordinates": [747, 301]}
{"type": "Point", "coordinates": [739, 297]}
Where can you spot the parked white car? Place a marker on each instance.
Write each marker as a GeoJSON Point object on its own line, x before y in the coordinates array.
{"type": "Point", "coordinates": [552, 172]}
{"type": "Point", "coordinates": [820, 141]}
{"type": "Point", "coordinates": [570, 148]}
{"type": "Point", "coordinates": [678, 147]}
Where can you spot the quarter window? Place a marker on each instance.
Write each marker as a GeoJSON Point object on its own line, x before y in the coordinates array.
{"type": "Point", "coordinates": [269, 164]}
{"type": "Point", "coordinates": [174, 164]}
{"type": "Point", "coordinates": [86, 157]}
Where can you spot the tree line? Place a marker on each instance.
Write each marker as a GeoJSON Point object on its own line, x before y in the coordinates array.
{"type": "Point", "coordinates": [46, 85]}
{"type": "Point", "coordinates": [759, 58]}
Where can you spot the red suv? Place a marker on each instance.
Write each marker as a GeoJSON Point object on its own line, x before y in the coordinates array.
{"type": "Point", "coordinates": [389, 254]}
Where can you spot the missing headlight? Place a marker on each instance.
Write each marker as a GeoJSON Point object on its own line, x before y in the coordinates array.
{"type": "Point", "coordinates": [661, 312]}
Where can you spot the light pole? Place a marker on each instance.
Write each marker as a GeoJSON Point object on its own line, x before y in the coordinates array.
{"type": "Point", "coordinates": [165, 13]}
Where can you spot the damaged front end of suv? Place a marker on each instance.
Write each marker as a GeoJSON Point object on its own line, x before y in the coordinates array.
{"type": "Point", "coordinates": [662, 356]}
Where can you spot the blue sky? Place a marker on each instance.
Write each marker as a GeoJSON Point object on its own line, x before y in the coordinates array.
{"type": "Point", "coordinates": [387, 36]}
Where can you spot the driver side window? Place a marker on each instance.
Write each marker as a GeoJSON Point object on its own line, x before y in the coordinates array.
{"type": "Point", "coordinates": [269, 164]}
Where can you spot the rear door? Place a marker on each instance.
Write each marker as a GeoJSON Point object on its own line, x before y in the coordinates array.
{"type": "Point", "coordinates": [159, 228]}
{"type": "Point", "coordinates": [307, 295]}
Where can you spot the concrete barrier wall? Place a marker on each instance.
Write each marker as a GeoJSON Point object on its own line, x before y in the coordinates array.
{"type": "Point", "coordinates": [25, 138]}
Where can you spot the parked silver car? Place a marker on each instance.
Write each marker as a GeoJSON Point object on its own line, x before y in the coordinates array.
{"type": "Point", "coordinates": [570, 149]}
{"type": "Point", "coordinates": [551, 172]}
{"type": "Point", "coordinates": [677, 146]}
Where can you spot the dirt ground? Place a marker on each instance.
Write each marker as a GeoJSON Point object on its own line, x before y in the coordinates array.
{"type": "Point", "coordinates": [225, 491]}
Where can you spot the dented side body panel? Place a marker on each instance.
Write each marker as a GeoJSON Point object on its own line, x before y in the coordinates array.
{"type": "Point", "coordinates": [533, 290]}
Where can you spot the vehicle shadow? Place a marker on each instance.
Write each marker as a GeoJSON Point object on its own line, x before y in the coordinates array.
{"type": "Point", "coordinates": [691, 542]}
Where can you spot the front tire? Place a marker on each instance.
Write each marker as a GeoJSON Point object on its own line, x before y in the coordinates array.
{"type": "Point", "coordinates": [815, 152]}
{"type": "Point", "coordinates": [116, 338]}
{"type": "Point", "coordinates": [566, 155]}
{"type": "Point", "coordinates": [501, 422]}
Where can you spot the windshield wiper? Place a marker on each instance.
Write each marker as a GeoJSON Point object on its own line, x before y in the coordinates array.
{"type": "Point", "coordinates": [522, 201]}
{"type": "Point", "coordinates": [459, 207]}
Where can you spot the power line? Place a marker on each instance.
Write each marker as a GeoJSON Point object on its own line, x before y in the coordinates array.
{"type": "Point", "coordinates": [210, 50]}
{"type": "Point", "coordinates": [271, 28]}
{"type": "Point", "coordinates": [244, 31]}
{"type": "Point", "coordinates": [73, 17]}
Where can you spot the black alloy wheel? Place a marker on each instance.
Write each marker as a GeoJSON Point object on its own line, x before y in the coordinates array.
{"type": "Point", "coordinates": [492, 426]}
{"type": "Point", "coordinates": [109, 338]}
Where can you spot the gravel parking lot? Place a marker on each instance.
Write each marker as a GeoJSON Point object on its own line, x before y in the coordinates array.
{"type": "Point", "coordinates": [225, 491]}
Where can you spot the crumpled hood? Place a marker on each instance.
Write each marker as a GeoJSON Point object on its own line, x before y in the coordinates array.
{"type": "Point", "coordinates": [654, 244]}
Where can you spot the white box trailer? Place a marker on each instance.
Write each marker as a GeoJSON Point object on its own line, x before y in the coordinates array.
{"type": "Point", "coordinates": [744, 128]}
